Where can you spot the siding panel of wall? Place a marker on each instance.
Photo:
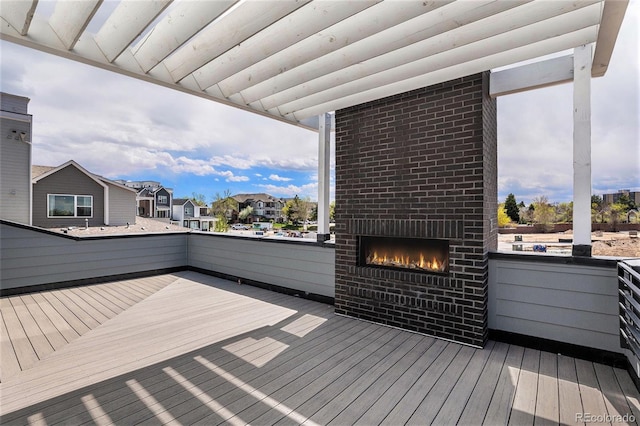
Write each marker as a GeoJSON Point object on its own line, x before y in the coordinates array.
{"type": "Point", "coordinates": [122, 206]}
{"type": "Point", "coordinates": [574, 304]}
{"type": "Point", "coordinates": [307, 268]}
{"type": "Point", "coordinates": [15, 172]}
{"type": "Point", "coordinates": [32, 258]}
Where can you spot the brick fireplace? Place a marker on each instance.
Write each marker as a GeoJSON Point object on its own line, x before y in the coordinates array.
{"type": "Point", "coordinates": [418, 168]}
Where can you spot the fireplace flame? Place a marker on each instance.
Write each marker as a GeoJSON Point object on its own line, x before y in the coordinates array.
{"type": "Point", "coordinates": [400, 260]}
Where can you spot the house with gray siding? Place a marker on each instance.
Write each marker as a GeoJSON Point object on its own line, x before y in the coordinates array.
{"type": "Point", "coordinates": [15, 159]}
{"type": "Point", "coordinates": [69, 195]}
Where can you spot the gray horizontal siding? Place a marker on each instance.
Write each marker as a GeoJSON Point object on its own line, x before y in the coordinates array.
{"type": "Point", "coordinates": [308, 268]}
{"type": "Point", "coordinates": [575, 304]}
{"type": "Point", "coordinates": [32, 258]}
{"type": "Point", "coordinates": [122, 206]}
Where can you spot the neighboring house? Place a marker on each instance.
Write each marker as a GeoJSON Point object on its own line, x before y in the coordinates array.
{"type": "Point", "coordinates": [190, 215]}
{"type": "Point", "coordinates": [15, 159]}
{"type": "Point", "coordinates": [153, 200]}
{"type": "Point", "coordinates": [265, 207]}
{"type": "Point", "coordinates": [69, 195]}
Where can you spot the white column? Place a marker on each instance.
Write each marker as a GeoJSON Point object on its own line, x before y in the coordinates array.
{"type": "Point", "coordinates": [324, 175]}
{"type": "Point", "coordinates": [582, 151]}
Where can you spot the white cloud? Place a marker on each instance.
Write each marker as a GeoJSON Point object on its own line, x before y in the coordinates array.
{"type": "Point", "coordinates": [308, 190]}
{"type": "Point", "coordinates": [279, 178]}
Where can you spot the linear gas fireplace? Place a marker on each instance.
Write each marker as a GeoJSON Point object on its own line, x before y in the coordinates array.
{"type": "Point", "coordinates": [413, 254]}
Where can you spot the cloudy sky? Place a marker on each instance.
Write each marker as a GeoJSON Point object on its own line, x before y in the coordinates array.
{"type": "Point", "coordinates": [123, 128]}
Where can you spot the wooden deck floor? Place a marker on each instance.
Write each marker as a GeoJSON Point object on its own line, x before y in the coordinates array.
{"type": "Point", "coordinates": [191, 349]}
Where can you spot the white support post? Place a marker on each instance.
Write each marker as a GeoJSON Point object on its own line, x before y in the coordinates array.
{"type": "Point", "coordinates": [582, 151]}
{"type": "Point", "coordinates": [324, 175]}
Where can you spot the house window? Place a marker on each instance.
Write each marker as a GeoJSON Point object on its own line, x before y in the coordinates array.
{"type": "Point", "coordinates": [59, 205]}
{"type": "Point", "coordinates": [188, 211]}
{"type": "Point", "coordinates": [163, 214]}
{"type": "Point", "coordinates": [162, 199]}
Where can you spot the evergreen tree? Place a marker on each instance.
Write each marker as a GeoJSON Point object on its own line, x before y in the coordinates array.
{"type": "Point", "coordinates": [511, 207]}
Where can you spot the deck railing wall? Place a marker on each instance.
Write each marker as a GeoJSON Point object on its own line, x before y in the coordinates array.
{"type": "Point", "coordinates": [555, 298]}
{"type": "Point", "coordinates": [307, 267]}
{"type": "Point", "coordinates": [31, 257]}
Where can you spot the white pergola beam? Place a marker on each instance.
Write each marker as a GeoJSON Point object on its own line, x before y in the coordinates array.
{"type": "Point", "coordinates": [380, 53]}
{"type": "Point", "coordinates": [263, 78]}
{"type": "Point", "coordinates": [126, 23]}
{"type": "Point", "coordinates": [582, 151]}
{"type": "Point", "coordinates": [298, 25]}
{"type": "Point", "coordinates": [612, 16]}
{"type": "Point", "coordinates": [19, 14]}
{"type": "Point", "coordinates": [234, 28]}
{"type": "Point", "coordinates": [70, 19]}
{"type": "Point", "coordinates": [324, 175]}
{"type": "Point", "coordinates": [531, 76]}
{"type": "Point", "coordinates": [535, 50]}
{"type": "Point", "coordinates": [178, 26]}
{"type": "Point", "coordinates": [437, 52]}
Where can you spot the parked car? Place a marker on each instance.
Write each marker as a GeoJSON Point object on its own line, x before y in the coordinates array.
{"type": "Point", "coordinates": [239, 227]}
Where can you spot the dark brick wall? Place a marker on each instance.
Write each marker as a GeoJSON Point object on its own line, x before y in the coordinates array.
{"type": "Point", "coordinates": [419, 164]}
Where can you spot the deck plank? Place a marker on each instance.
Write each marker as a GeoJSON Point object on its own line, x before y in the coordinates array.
{"type": "Point", "coordinates": [547, 410]}
{"type": "Point", "coordinates": [630, 392]}
{"type": "Point", "coordinates": [457, 399]}
{"type": "Point", "coordinates": [47, 328]}
{"type": "Point", "coordinates": [373, 396]}
{"type": "Point", "coordinates": [413, 396]}
{"type": "Point", "coordinates": [37, 339]}
{"type": "Point", "coordinates": [85, 312]}
{"type": "Point", "coordinates": [61, 324]}
{"type": "Point", "coordinates": [69, 315]}
{"type": "Point", "coordinates": [570, 403]}
{"type": "Point", "coordinates": [524, 401]}
{"type": "Point", "coordinates": [24, 351]}
{"type": "Point", "coordinates": [502, 400]}
{"type": "Point", "coordinates": [592, 399]}
{"type": "Point", "coordinates": [344, 388]}
{"type": "Point", "coordinates": [478, 403]}
{"type": "Point", "coordinates": [614, 399]}
{"type": "Point", "coordinates": [9, 365]}
{"type": "Point", "coordinates": [394, 394]}
{"type": "Point", "coordinates": [437, 396]}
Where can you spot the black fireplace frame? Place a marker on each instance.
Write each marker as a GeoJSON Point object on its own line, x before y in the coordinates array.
{"type": "Point", "coordinates": [442, 245]}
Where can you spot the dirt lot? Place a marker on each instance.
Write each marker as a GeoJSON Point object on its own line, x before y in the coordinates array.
{"type": "Point", "coordinates": [142, 226]}
{"type": "Point", "coordinates": [604, 243]}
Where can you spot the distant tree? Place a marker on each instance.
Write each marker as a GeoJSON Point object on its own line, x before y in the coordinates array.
{"type": "Point", "coordinates": [511, 207]}
{"type": "Point", "coordinates": [198, 199]}
{"type": "Point", "coordinates": [503, 218]}
{"type": "Point", "coordinates": [221, 207]}
{"type": "Point", "coordinates": [627, 202]}
{"type": "Point", "coordinates": [297, 210]}
{"type": "Point", "coordinates": [332, 211]}
{"type": "Point", "coordinates": [245, 213]}
{"type": "Point", "coordinates": [526, 213]}
{"type": "Point", "coordinates": [564, 212]}
{"type": "Point", "coordinates": [616, 213]}
{"type": "Point", "coordinates": [543, 213]}
{"type": "Point", "coordinates": [314, 213]}
{"type": "Point", "coordinates": [598, 209]}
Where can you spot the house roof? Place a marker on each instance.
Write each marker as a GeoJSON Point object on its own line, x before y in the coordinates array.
{"type": "Point", "coordinates": [243, 198]}
{"type": "Point", "coordinates": [295, 60]}
{"type": "Point", "coordinates": [40, 172]}
{"type": "Point", "coordinates": [180, 201]}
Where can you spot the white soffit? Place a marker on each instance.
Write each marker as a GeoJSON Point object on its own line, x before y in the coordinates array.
{"type": "Point", "coordinates": [295, 59]}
